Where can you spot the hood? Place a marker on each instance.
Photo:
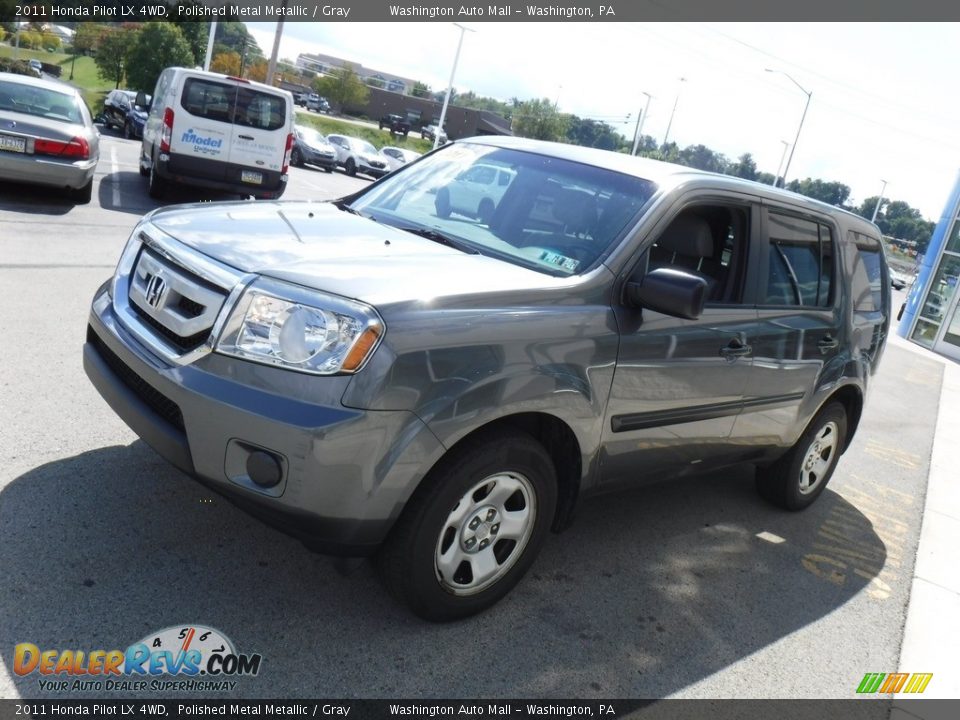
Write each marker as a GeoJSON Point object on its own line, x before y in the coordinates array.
{"type": "Point", "coordinates": [320, 246]}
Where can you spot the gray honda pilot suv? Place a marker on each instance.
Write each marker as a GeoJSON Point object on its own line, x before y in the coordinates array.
{"type": "Point", "coordinates": [382, 375]}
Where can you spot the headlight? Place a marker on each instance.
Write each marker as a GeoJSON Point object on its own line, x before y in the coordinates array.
{"type": "Point", "coordinates": [289, 326]}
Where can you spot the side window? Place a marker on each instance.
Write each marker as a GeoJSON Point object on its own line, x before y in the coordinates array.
{"type": "Point", "coordinates": [712, 242]}
{"type": "Point", "coordinates": [867, 280]}
{"type": "Point", "coordinates": [159, 92]}
{"type": "Point", "coordinates": [800, 262]}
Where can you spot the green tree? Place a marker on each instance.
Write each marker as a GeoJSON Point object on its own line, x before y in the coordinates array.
{"type": "Point", "coordinates": [834, 193]}
{"type": "Point", "coordinates": [159, 45]}
{"type": "Point", "coordinates": [540, 120]}
{"type": "Point", "coordinates": [421, 90]}
{"type": "Point", "coordinates": [342, 88]}
{"type": "Point", "coordinates": [592, 133]}
{"type": "Point", "coordinates": [745, 167]}
{"type": "Point", "coordinates": [87, 37]}
{"type": "Point", "coordinates": [232, 35]}
{"type": "Point", "coordinates": [112, 53]}
{"type": "Point", "coordinates": [3, 34]}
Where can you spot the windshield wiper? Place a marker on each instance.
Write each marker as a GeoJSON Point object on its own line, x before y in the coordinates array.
{"type": "Point", "coordinates": [342, 205]}
{"type": "Point", "coordinates": [439, 237]}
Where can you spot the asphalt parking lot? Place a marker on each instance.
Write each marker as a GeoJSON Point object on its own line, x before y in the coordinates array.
{"type": "Point", "coordinates": [689, 589]}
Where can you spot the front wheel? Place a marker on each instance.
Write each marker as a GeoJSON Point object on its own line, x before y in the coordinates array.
{"type": "Point", "coordinates": [350, 167]}
{"type": "Point", "coordinates": [473, 528]}
{"type": "Point", "coordinates": [798, 478]}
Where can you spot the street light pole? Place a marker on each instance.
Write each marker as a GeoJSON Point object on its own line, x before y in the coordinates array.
{"type": "Point", "coordinates": [446, 99]}
{"type": "Point", "coordinates": [670, 123]}
{"type": "Point", "coordinates": [210, 39]}
{"type": "Point", "coordinates": [803, 117]}
{"type": "Point", "coordinates": [776, 178]}
{"type": "Point", "coordinates": [879, 201]}
{"type": "Point", "coordinates": [640, 121]}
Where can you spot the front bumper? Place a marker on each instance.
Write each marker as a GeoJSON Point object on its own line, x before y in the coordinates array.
{"type": "Point", "coordinates": [346, 473]}
{"type": "Point", "coordinates": [314, 158]}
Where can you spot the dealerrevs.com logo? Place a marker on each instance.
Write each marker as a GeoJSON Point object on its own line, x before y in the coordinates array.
{"type": "Point", "coordinates": [178, 658]}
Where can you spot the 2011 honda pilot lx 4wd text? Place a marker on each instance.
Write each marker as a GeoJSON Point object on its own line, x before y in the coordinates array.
{"type": "Point", "coordinates": [378, 376]}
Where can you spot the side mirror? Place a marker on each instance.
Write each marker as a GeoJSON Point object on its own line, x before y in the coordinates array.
{"type": "Point", "coordinates": [669, 291]}
{"type": "Point", "coordinates": [142, 101]}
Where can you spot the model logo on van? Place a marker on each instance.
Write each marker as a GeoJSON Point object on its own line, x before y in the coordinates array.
{"type": "Point", "coordinates": [202, 144]}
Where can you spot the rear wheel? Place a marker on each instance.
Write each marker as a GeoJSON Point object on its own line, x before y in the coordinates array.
{"type": "Point", "coordinates": [127, 131]}
{"type": "Point", "coordinates": [350, 167]}
{"type": "Point", "coordinates": [296, 159]}
{"type": "Point", "coordinates": [157, 185]}
{"type": "Point", "coordinates": [796, 480]}
{"type": "Point", "coordinates": [82, 195]}
{"type": "Point", "coordinates": [473, 529]}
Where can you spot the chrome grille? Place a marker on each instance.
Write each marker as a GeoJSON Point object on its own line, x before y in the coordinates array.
{"type": "Point", "coordinates": [172, 298]}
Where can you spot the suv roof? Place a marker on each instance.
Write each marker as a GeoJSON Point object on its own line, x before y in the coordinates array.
{"type": "Point", "coordinates": [664, 174]}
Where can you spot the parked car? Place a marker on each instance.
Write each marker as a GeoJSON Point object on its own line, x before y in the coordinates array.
{"type": "Point", "coordinates": [224, 133]}
{"type": "Point", "coordinates": [317, 104]}
{"type": "Point", "coordinates": [398, 157]}
{"type": "Point", "coordinates": [47, 135]}
{"type": "Point", "coordinates": [396, 124]}
{"type": "Point", "coordinates": [443, 394]}
{"type": "Point", "coordinates": [899, 280]}
{"type": "Point", "coordinates": [36, 67]}
{"type": "Point", "coordinates": [475, 192]}
{"type": "Point", "coordinates": [429, 132]}
{"type": "Point", "coordinates": [311, 148]}
{"type": "Point", "coordinates": [120, 110]}
{"type": "Point", "coordinates": [358, 156]}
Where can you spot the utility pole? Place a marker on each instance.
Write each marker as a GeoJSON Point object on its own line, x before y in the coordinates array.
{"type": "Point", "coordinates": [879, 201]}
{"type": "Point", "coordinates": [272, 65]}
{"type": "Point", "coordinates": [670, 123]}
{"type": "Point", "coordinates": [641, 119]}
{"type": "Point", "coordinates": [213, 35]}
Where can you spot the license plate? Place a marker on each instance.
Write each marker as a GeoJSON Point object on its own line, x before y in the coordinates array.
{"type": "Point", "coordinates": [14, 144]}
{"type": "Point", "coordinates": [251, 176]}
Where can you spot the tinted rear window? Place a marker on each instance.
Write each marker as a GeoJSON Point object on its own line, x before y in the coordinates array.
{"type": "Point", "coordinates": [244, 106]}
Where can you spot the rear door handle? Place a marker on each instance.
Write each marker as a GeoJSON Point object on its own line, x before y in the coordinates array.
{"type": "Point", "coordinates": [828, 342]}
{"type": "Point", "coordinates": [735, 349]}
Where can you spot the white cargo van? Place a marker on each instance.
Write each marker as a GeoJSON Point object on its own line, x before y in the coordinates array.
{"type": "Point", "coordinates": [218, 132]}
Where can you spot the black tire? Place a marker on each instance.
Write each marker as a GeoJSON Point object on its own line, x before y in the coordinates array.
{"type": "Point", "coordinates": [782, 483]}
{"type": "Point", "coordinates": [328, 168]}
{"type": "Point", "coordinates": [485, 211]}
{"type": "Point", "coordinates": [128, 131]}
{"type": "Point", "coordinates": [82, 195]}
{"type": "Point", "coordinates": [157, 187]}
{"type": "Point", "coordinates": [143, 170]}
{"type": "Point", "coordinates": [442, 203]}
{"type": "Point", "coordinates": [408, 558]}
{"type": "Point", "coordinates": [296, 159]}
{"type": "Point", "coordinates": [350, 167]}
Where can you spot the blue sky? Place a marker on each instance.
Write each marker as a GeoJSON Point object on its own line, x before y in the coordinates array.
{"type": "Point", "coordinates": [883, 108]}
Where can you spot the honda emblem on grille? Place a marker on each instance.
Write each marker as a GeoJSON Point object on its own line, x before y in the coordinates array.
{"type": "Point", "coordinates": [156, 287]}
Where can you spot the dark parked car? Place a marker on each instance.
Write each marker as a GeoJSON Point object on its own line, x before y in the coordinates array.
{"type": "Point", "coordinates": [396, 124]}
{"type": "Point", "coordinates": [312, 148]}
{"type": "Point", "coordinates": [442, 392]}
{"type": "Point", "coordinates": [120, 110]}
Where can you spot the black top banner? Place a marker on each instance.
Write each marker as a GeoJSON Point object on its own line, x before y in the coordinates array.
{"type": "Point", "coordinates": [504, 11]}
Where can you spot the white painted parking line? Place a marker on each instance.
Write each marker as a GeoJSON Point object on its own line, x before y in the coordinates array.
{"type": "Point", "coordinates": [114, 169]}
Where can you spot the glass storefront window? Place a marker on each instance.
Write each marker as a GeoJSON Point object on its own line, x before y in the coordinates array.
{"type": "Point", "coordinates": [953, 242]}
{"type": "Point", "coordinates": [941, 289]}
{"type": "Point", "coordinates": [925, 332]}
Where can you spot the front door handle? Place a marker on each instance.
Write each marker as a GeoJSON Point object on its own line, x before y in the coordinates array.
{"type": "Point", "coordinates": [828, 342]}
{"type": "Point", "coordinates": [245, 137]}
{"type": "Point", "coordinates": [735, 349]}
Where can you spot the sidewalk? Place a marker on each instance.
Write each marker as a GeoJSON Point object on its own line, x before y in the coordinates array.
{"type": "Point", "coordinates": [932, 630]}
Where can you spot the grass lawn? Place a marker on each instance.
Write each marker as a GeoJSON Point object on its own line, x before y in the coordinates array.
{"type": "Point", "coordinates": [377, 138]}
{"type": "Point", "coordinates": [85, 76]}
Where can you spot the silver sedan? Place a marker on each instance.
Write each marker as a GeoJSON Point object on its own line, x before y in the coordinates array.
{"type": "Point", "coordinates": [47, 136]}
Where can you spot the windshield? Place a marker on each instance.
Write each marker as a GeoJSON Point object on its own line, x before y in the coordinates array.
{"type": "Point", "coordinates": [552, 215]}
{"type": "Point", "coordinates": [312, 136]}
{"type": "Point", "coordinates": [363, 146]}
{"type": "Point", "coordinates": [40, 102]}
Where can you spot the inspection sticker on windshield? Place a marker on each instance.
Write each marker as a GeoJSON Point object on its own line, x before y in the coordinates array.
{"type": "Point", "coordinates": [559, 260]}
{"type": "Point", "coordinates": [13, 143]}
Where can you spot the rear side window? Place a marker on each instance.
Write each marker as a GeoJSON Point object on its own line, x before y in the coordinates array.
{"type": "Point", "coordinates": [867, 280]}
{"type": "Point", "coordinates": [800, 262]}
{"type": "Point", "coordinates": [244, 106]}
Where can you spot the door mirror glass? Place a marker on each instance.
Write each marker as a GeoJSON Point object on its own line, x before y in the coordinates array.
{"type": "Point", "coordinates": [670, 291]}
